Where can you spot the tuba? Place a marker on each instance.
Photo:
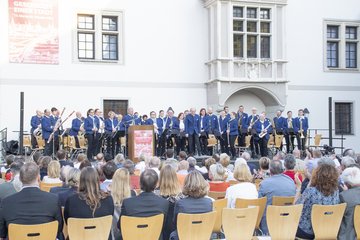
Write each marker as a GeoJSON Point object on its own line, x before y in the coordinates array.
{"type": "Point", "coordinates": [37, 132]}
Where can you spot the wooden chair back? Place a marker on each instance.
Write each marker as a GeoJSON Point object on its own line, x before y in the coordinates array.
{"type": "Point", "coordinates": [27, 141]}
{"type": "Point", "coordinates": [278, 140]}
{"type": "Point", "coordinates": [233, 182]}
{"type": "Point", "coordinates": [217, 195]}
{"type": "Point", "coordinates": [141, 227]}
{"type": "Point", "coordinates": [44, 231]}
{"type": "Point", "coordinates": [65, 231]}
{"type": "Point", "coordinates": [242, 220]}
{"type": "Point", "coordinates": [82, 142]}
{"type": "Point", "coordinates": [212, 140]}
{"type": "Point", "coordinates": [257, 183]}
{"type": "Point", "coordinates": [195, 226]}
{"type": "Point", "coordinates": [218, 206]}
{"type": "Point", "coordinates": [247, 141]}
{"type": "Point", "coordinates": [246, 203]}
{"type": "Point", "coordinates": [89, 228]}
{"type": "Point", "coordinates": [282, 201]}
{"type": "Point", "coordinates": [357, 221]}
{"type": "Point", "coordinates": [317, 140]}
{"type": "Point", "coordinates": [47, 186]}
{"type": "Point", "coordinates": [326, 220]}
{"type": "Point", "coordinates": [271, 141]}
{"type": "Point", "coordinates": [40, 142]}
{"type": "Point", "coordinates": [283, 221]}
{"type": "Point", "coordinates": [3, 175]}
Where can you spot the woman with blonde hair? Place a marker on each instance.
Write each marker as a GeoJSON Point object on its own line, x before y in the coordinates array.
{"type": "Point", "coordinates": [195, 189]}
{"type": "Point", "coordinates": [120, 189]}
{"type": "Point", "coordinates": [90, 201]}
{"type": "Point", "coordinates": [73, 183]}
{"type": "Point", "coordinates": [244, 189]}
{"type": "Point", "coordinates": [53, 173]}
{"type": "Point", "coordinates": [218, 175]}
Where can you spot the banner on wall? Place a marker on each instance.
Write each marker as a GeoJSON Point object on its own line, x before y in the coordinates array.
{"type": "Point", "coordinates": [33, 31]}
{"type": "Point", "coordinates": [143, 143]}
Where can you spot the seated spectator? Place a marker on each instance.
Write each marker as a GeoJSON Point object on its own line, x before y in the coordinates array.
{"type": "Point", "coordinates": [252, 165]}
{"type": "Point", "coordinates": [14, 185]}
{"type": "Point", "coordinates": [169, 189]}
{"type": "Point", "coordinates": [119, 160]}
{"type": "Point", "coordinates": [99, 160]}
{"type": "Point", "coordinates": [323, 190]}
{"type": "Point", "coordinates": [169, 153]}
{"type": "Point", "coordinates": [9, 159]}
{"type": "Point", "coordinates": [208, 163]}
{"type": "Point", "coordinates": [20, 207]}
{"type": "Point", "coordinates": [61, 155]}
{"type": "Point", "coordinates": [351, 178]}
{"type": "Point", "coordinates": [154, 164]}
{"type": "Point", "coordinates": [182, 156]}
{"type": "Point", "coordinates": [192, 164]}
{"type": "Point", "coordinates": [225, 161]}
{"type": "Point", "coordinates": [64, 175]}
{"type": "Point", "coordinates": [90, 201]}
{"type": "Point", "coordinates": [73, 179]}
{"type": "Point", "coordinates": [120, 189]}
{"type": "Point", "coordinates": [108, 170]}
{"type": "Point", "coordinates": [277, 185]}
{"type": "Point", "coordinates": [53, 173]}
{"type": "Point", "coordinates": [80, 158]}
{"type": "Point", "coordinates": [43, 164]}
{"type": "Point", "coordinates": [175, 165]}
{"type": "Point", "coordinates": [134, 179]}
{"type": "Point", "coordinates": [218, 175]}
{"type": "Point", "coordinates": [264, 169]}
{"type": "Point", "coordinates": [146, 204]}
{"type": "Point", "coordinates": [290, 163]}
{"type": "Point", "coordinates": [196, 201]}
{"type": "Point", "coordinates": [84, 164]}
{"type": "Point", "coordinates": [183, 167]}
{"type": "Point", "coordinates": [203, 168]}
{"type": "Point", "coordinates": [347, 162]}
{"type": "Point", "coordinates": [300, 164]}
{"type": "Point", "coordinates": [36, 157]}
{"type": "Point", "coordinates": [142, 164]}
{"type": "Point", "coordinates": [244, 189]}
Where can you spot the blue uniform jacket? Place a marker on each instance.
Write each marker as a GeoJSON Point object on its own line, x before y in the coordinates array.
{"type": "Point", "coordinates": [258, 128]}
{"type": "Point", "coordinates": [89, 124]}
{"type": "Point", "coordinates": [192, 124]}
{"type": "Point", "coordinates": [109, 124]}
{"type": "Point", "coordinates": [305, 124]}
{"type": "Point", "coordinates": [223, 124]}
{"type": "Point", "coordinates": [75, 127]}
{"type": "Point", "coordinates": [205, 122]}
{"type": "Point", "coordinates": [233, 127]}
{"type": "Point", "coordinates": [279, 123]}
{"type": "Point", "coordinates": [244, 121]}
{"type": "Point", "coordinates": [212, 122]}
{"type": "Point", "coordinates": [46, 127]}
{"type": "Point", "coordinates": [287, 125]}
{"type": "Point", "coordinates": [35, 122]}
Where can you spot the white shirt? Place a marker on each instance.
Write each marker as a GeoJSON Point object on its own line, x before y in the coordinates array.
{"type": "Point", "coordinates": [182, 125]}
{"type": "Point", "coordinates": [243, 190]}
{"type": "Point", "coordinates": [141, 166]}
{"type": "Point", "coordinates": [47, 179]}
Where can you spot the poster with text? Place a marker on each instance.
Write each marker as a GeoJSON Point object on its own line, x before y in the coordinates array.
{"type": "Point", "coordinates": [33, 31]}
{"type": "Point", "coordinates": [143, 143]}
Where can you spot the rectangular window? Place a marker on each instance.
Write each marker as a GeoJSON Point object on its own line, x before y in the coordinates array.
{"type": "Point", "coordinates": [265, 27]}
{"type": "Point", "coordinates": [351, 55]}
{"type": "Point", "coordinates": [251, 13]}
{"type": "Point", "coordinates": [86, 45]}
{"type": "Point", "coordinates": [350, 33]}
{"type": "Point", "coordinates": [264, 13]}
{"type": "Point", "coordinates": [238, 45]}
{"type": "Point", "coordinates": [238, 26]}
{"type": "Point", "coordinates": [251, 26]}
{"type": "Point", "coordinates": [333, 54]}
{"type": "Point", "coordinates": [344, 118]}
{"type": "Point", "coordinates": [237, 12]}
{"type": "Point", "coordinates": [333, 32]}
{"type": "Point", "coordinates": [265, 47]}
{"type": "Point", "coordinates": [110, 47]}
{"type": "Point", "coordinates": [85, 22]}
{"type": "Point", "coordinates": [251, 46]}
{"type": "Point", "coordinates": [109, 23]}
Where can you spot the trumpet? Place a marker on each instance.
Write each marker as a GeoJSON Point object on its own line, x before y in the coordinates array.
{"type": "Point", "coordinates": [301, 130]}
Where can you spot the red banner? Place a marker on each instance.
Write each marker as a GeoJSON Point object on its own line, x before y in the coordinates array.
{"type": "Point", "coordinates": [33, 31]}
{"type": "Point", "coordinates": [143, 143]}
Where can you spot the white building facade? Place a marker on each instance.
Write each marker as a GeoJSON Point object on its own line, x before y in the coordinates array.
{"type": "Point", "coordinates": [269, 54]}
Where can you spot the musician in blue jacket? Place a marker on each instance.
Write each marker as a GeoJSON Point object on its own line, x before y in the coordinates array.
{"type": "Point", "coordinates": [242, 119]}
{"type": "Point", "coordinates": [252, 119]}
{"type": "Point", "coordinates": [224, 142]}
{"type": "Point", "coordinates": [35, 124]}
{"type": "Point", "coordinates": [263, 129]}
{"type": "Point", "coordinates": [212, 122]}
{"type": "Point", "coordinates": [75, 128]}
{"type": "Point", "coordinates": [302, 125]}
{"type": "Point", "coordinates": [179, 129]}
{"type": "Point", "coordinates": [112, 134]}
{"type": "Point", "coordinates": [289, 132]}
{"type": "Point", "coordinates": [192, 129]}
{"type": "Point", "coordinates": [152, 121]}
{"type": "Point", "coordinates": [204, 129]}
{"type": "Point", "coordinates": [47, 129]}
{"type": "Point", "coordinates": [168, 127]}
{"type": "Point", "coordinates": [232, 131]}
{"type": "Point", "coordinates": [101, 130]}
{"type": "Point", "coordinates": [128, 120]}
{"type": "Point", "coordinates": [55, 122]}
{"type": "Point", "coordinates": [279, 123]}
{"type": "Point", "coordinates": [91, 127]}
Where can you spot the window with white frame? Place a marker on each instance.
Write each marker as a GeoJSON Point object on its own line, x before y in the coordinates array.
{"type": "Point", "coordinates": [251, 32]}
{"type": "Point", "coordinates": [342, 46]}
{"type": "Point", "coordinates": [344, 118]}
{"type": "Point", "coordinates": [98, 37]}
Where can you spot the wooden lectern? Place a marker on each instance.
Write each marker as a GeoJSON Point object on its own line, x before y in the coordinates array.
{"type": "Point", "coordinates": [141, 141]}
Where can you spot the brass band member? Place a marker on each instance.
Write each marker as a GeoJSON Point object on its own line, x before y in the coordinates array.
{"type": "Point", "coordinates": [76, 128]}
{"type": "Point", "coordinates": [112, 134]}
{"type": "Point", "coordinates": [101, 130]}
{"type": "Point", "coordinates": [289, 132]}
{"type": "Point", "coordinates": [180, 139]}
{"type": "Point", "coordinates": [252, 119]}
{"type": "Point", "coordinates": [153, 121]}
{"type": "Point", "coordinates": [35, 127]}
{"type": "Point", "coordinates": [279, 124]}
{"type": "Point", "coordinates": [263, 129]}
{"type": "Point", "coordinates": [242, 119]}
{"type": "Point", "coordinates": [91, 125]}
{"type": "Point", "coordinates": [204, 128]}
{"type": "Point", "coordinates": [302, 125]}
{"type": "Point", "coordinates": [47, 128]}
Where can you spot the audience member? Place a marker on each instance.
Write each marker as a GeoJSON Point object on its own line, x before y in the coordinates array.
{"type": "Point", "coordinates": [290, 163]}
{"type": "Point", "coordinates": [244, 189]}
{"type": "Point", "coordinates": [225, 161]}
{"type": "Point", "coordinates": [134, 179]}
{"type": "Point", "coordinates": [300, 164]}
{"type": "Point", "coordinates": [154, 164]}
{"type": "Point", "coordinates": [64, 176]}
{"type": "Point", "coordinates": [218, 175]}
{"type": "Point", "coordinates": [80, 158]}
{"type": "Point", "coordinates": [120, 189]}
{"type": "Point", "coordinates": [73, 179]}
{"type": "Point", "coordinates": [146, 204]}
{"type": "Point", "coordinates": [183, 167]}
{"type": "Point", "coordinates": [196, 201]}
{"type": "Point", "coordinates": [53, 173]}
{"type": "Point", "coordinates": [14, 185]}
{"type": "Point", "coordinates": [277, 185]}
{"type": "Point", "coordinates": [90, 201]}
{"type": "Point", "coordinates": [20, 207]}
{"type": "Point", "coordinates": [251, 164]}
{"type": "Point", "coordinates": [61, 156]}
{"type": "Point", "coordinates": [84, 164]}
{"type": "Point", "coordinates": [192, 164]}
{"type": "Point", "coordinates": [264, 171]}
{"type": "Point", "coordinates": [169, 153]}
{"type": "Point", "coordinates": [36, 157]}
{"type": "Point", "coordinates": [9, 159]}
{"type": "Point", "coordinates": [43, 164]}
{"type": "Point", "coordinates": [346, 162]}
{"type": "Point", "coordinates": [323, 190]}
{"type": "Point", "coordinates": [108, 170]}
{"type": "Point", "coordinates": [119, 160]}
{"type": "Point", "coordinates": [351, 178]}
{"type": "Point", "coordinates": [142, 164]}
{"type": "Point", "coordinates": [208, 163]}
{"type": "Point", "coordinates": [182, 156]}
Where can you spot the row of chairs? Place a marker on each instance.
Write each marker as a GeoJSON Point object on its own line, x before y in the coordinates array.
{"type": "Point", "coordinates": [237, 224]}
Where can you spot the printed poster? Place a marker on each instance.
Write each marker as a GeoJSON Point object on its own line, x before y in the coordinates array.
{"type": "Point", "coordinates": [143, 143]}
